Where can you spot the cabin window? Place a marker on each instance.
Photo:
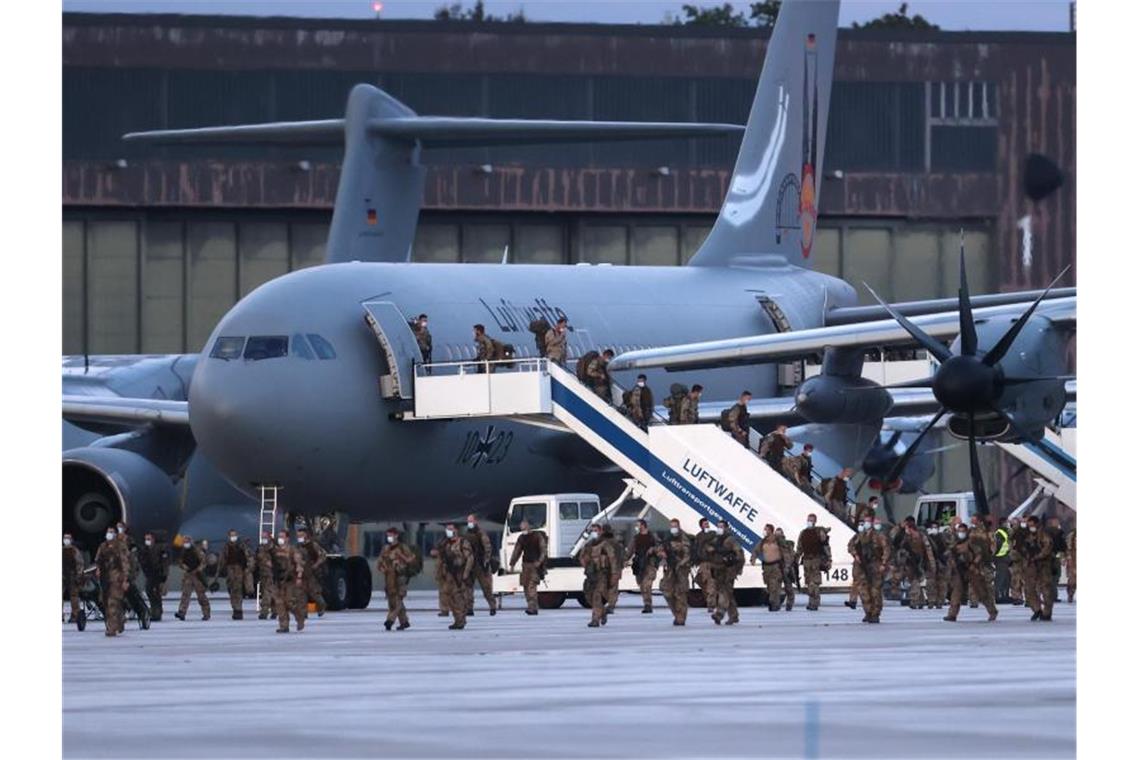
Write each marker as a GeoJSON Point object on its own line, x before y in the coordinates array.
{"type": "Point", "coordinates": [534, 513]}
{"type": "Point", "coordinates": [300, 347]}
{"type": "Point", "coordinates": [323, 348]}
{"type": "Point", "coordinates": [227, 348]}
{"type": "Point", "coordinates": [568, 510]}
{"type": "Point", "coordinates": [266, 347]}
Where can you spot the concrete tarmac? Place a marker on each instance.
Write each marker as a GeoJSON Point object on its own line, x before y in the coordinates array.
{"type": "Point", "coordinates": [782, 685]}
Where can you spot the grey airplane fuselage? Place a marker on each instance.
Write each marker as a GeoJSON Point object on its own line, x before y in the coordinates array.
{"type": "Point", "coordinates": [322, 431]}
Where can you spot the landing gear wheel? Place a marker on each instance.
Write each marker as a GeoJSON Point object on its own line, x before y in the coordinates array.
{"type": "Point", "coordinates": [359, 583]}
{"type": "Point", "coordinates": [336, 584]}
{"type": "Point", "coordinates": [582, 600]}
{"type": "Point", "coordinates": [551, 600]}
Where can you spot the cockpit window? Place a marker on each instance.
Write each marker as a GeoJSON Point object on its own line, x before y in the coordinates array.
{"type": "Point", "coordinates": [323, 348]}
{"type": "Point", "coordinates": [227, 348]}
{"type": "Point", "coordinates": [266, 347]}
{"type": "Point", "coordinates": [301, 348]}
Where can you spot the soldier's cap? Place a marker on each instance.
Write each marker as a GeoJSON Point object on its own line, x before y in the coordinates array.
{"type": "Point", "coordinates": [394, 531]}
{"type": "Point", "coordinates": [722, 521]}
{"type": "Point", "coordinates": [422, 316]}
{"type": "Point", "coordinates": [642, 377]}
{"type": "Point", "coordinates": [698, 388]}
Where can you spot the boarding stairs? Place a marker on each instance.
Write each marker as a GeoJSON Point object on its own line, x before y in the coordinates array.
{"type": "Point", "coordinates": [685, 472]}
{"type": "Point", "coordinates": [1053, 459]}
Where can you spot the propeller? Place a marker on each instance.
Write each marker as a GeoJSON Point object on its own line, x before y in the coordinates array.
{"type": "Point", "coordinates": [965, 383]}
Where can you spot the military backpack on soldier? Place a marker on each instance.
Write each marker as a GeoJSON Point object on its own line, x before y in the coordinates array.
{"type": "Point", "coordinates": [725, 422]}
{"type": "Point", "coordinates": [501, 352]}
{"type": "Point", "coordinates": [580, 369]}
{"type": "Point", "coordinates": [539, 327]}
{"type": "Point", "coordinates": [677, 393]}
{"type": "Point", "coordinates": [416, 566]}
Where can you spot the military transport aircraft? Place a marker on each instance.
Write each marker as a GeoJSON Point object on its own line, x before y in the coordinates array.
{"type": "Point", "coordinates": [287, 390]}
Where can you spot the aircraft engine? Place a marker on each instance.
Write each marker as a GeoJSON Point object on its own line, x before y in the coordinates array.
{"type": "Point", "coordinates": [828, 399]}
{"type": "Point", "coordinates": [104, 485]}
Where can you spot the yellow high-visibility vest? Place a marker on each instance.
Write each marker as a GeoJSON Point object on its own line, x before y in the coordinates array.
{"type": "Point", "coordinates": [1003, 545]}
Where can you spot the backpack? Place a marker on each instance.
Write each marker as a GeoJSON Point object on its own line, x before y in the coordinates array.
{"type": "Point", "coordinates": [626, 395]}
{"type": "Point", "coordinates": [501, 351]}
{"type": "Point", "coordinates": [539, 327]}
{"type": "Point", "coordinates": [584, 364]}
{"type": "Point", "coordinates": [677, 393]}
{"type": "Point", "coordinates": [1059, 543]}
{"type": "Point", "coordinates": [725, 423]}
{"type": "Point", "coordinates": [416, 566]}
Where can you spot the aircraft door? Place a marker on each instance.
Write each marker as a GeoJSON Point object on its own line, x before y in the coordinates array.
{"type": "Point", "coordinates": [398, 342]}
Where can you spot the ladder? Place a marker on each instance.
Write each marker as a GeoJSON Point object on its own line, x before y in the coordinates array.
{"type": "Point", "coordinates": [267, 519]}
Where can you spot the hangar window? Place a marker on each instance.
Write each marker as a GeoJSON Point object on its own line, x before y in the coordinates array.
{"type": "Point", "coordinates": [227, 348]}
{"type": "Point", "coordinates": [300, 347]}
{"type": "Point", "coordinates": [323, 348]}
{"type": "Point", "coordinates": [266, 347]}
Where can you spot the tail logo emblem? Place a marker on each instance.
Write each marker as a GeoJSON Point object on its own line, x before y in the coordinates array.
{"type": "Point", "coordinates": [808, 209]}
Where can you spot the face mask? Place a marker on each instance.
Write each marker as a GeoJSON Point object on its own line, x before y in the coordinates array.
{"type": "Point", "coordinates": [863, 527]}
{"type": "Point", "coordinates": [450, 533]}
{"type": "Point", "coordinates": [205, 545]}
{"type": "Point", "coordinates": [110, 536]}
{"type": "Point", "coordinates": [300, 539]}
{"type": "Point", "coordinates": [640, 383]}
{"type": "Point", "coordinates": [470, 526]}
{"type": "Point", "coordinates": [391, 539]}
{"type": "Point", "coordinates": [719, 531]}
{"type": "Point", "coordinates": [878, 526]}
{"type": "Point", "coordinates": [122, 528]}
{"type": "Point", "coordinates": [672, 530]}
{"type": "Point", "coordinates": [1032, 528]}
{"type": "Point", "coordinates": [280, 542]}
{"type": "Point", "coordinates": [961, 535]}
{"type": "Point", "coordinates": [67, 542]}
{"type": "Point", "coordinates": [233, 539]}
{"type": "Point", "coordinates": [811, 523]}
{"type": "Point", "coordinates": [264, 541]}
{"type": "Point", "coordinates": [594, 536]}
{"type": "Point", "coordinates": [149, 542]}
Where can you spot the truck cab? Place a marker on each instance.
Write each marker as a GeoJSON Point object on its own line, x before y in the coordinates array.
{"type": "Point", "coordinates": [563, 517]}
{"type": "Point", "coordinates": [941, 508]}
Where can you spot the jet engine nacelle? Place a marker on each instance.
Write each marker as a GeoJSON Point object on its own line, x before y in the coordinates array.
{"type": "Point", "coordinates": [830, 399]}
{"type": "Point", "coordinates": [104, 485]}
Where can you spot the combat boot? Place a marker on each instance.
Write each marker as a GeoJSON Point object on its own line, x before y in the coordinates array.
{"type": "Point", "coordinates": [993, 616]}
{"type": "Point", "coordinates": [866, 618]}
{"type": "Point", "coordinates": [442, 613]}
{"type": "Point", "coordinates": [532, 612]}
{"type": "Point", "coordinates": [300, 625]}
{"type": "Point", "coordinates": [646, 610]}
{"type": "Point", "coordinates": [677, 622]}
{"type": "Point", "coordinates": [492, 612]}
{"type": "Point", "coordinates": [403, 626]}
{"type": "Point", "coordinates": [236, 615]}
{"type": "Point", "coordinates": [283, 630]}
{"type": "Point", "coordinates": [875, 619]}
{"type": "Point", "coordinates": [387, 625]}
{"type": "Point", "coordinates": [470, 613]}
{"type": "Point", "coordinates": [180, 615]}
{"type": "Point", "coordinates": [262, 615]}
{"type": "Point", "coordinates": [1047, 618]}
{"type": "Point", "coordinates": [156, 618]}
{"type": "Point", "coordinates": [973, 605]}
{"type": "Point", "coordinates": [591, 624]}
{"type": "Point", "coordinates": [850, 604]}
{"type": "Point", "coordinates": [717, 616]}
{"type": "Point", "coordinates": [950, 619]}
{"type": "Point", "coordinates": [205, 616]}
{"type": "Point", "coordinates": [788, 607]}
{"type": "Point", "coordinates": [1036, 617]}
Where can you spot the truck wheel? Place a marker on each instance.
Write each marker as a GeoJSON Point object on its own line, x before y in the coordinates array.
{"type": "Point", "coordinates": [750, 597]}
{"type": "Point", "coordinates": [582, 601]}
{"type": "Point", "coordinates": [359, 583]}
{"type": "Point", "coordinates": [336, 584]}
{"type": "Point", "coordinates": [551, 600]}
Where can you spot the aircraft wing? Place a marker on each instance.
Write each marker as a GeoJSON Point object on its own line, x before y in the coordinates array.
{"type": "Point", "coordinates": [127, 412]}
{"type": "Point", "coordinates": [797, 344]}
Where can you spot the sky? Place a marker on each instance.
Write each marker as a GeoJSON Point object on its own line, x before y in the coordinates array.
{"type": "Point", "coordinates": [1019, 15]}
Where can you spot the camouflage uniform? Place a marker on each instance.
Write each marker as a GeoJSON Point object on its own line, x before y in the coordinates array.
{"type": "Point", "coordinates": [619, 552]}
{"type": "Point", "coordinates": [267, 598]}
{"type": "Point", "coordinates": [1071, 565]}
{"type": "Point", "coordinates": [643, 553]}
{"type": "Point", "coordinates": [811, 552]}
{"type": "Point", "coordinates": [788, 550]}
{"type": "Point", "coordinates": [727, 562]}
{"type": "Point", "coordinates": [688, 412]}
{"type": "Point", "coordinates": [393, 564]}
{"type": "Point", "coordinates": [917, 559]}
{"type": "Point", "coordinates": [155, 563]}
{"type": "Point", "coordinates": [289, 586]}
{"type": "Point", "coordinates": [113, 581]}
{"type": "Point", "coordinates": [440, 573]}
{"type": "Point", "coordinates": [458, 562]}
{"type": "Point", "coordinates": [641, 405]}
{"type": "Point", "coordinates": [702, 543]}
{"type": "Point", "coordinates": [601, 561]}
{"type": "Point", "coordinates": [597, 372]}
{"type": "Point", "coordinates": [738, 423]}
{"type": "Point", "coordinates": [872, 554]}
{"type": "Point", "coordinates": [423, 340]}
{"type": "Point", "coordinates": [531, 548]}
{"type": "Point", "coordinates": [798, 470]}
{"type": "Point", "coordinates": [481, 549]}
{"type": "Point", "coordinates": [315, 558]}
{"type": "Point", "coordinates": [967, 567]}
{"type": "Point", "coordinates": [555, 341]}
{"type": "Point", "coordinates": [674, 553]}
{"type": "Point", "coordinates": [193, 564]}
{"type": "Point", "coordinates": [72, 577]}
{"type": "Point", "coordinates": [771, 556]}
{"type": "Point", "coordinates": [857, 576]}
{"type": "Point", "coordinates": [1039, 574]}
{"type": "Point", "coordinates": [235, 560]}
{"type": "Point", "coordinates": [484, 350]}
{"type": "Point", "coordinates": [938, 580]}
{"type": "Point", "coordinates": [982, 585]}
{"type": "Point", "coordinates": [1017, 538]}
{"type": "Point", "coordinates": [773, 448]}
{"type": "Point", "coordinates": [835, 494]}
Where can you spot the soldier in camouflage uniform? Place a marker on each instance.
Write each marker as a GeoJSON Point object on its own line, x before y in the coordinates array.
{"type": "Point", "coordinates": [72, 575]}
{"type": "Point", "coordinates": [774, 447]}
{"type": "Point", "coordinates": [458, 564]}
{"type": "Point", "coordinates": [619, 552]}
{"type": "Point", "coordinates": [267, 596]}
{"type": "Point", "coordinates": [1039, 570]}
{"type": "Point", "coordinates": [1018, 535]}
{"type": "Point", "coordinates": [555, 340]}
{"type": "Point", "coordinates": [689, 412]}
{"type": "Point", "coordinates": [235, 560]}
{"type": "Point", "coordinates": [736, 423]}
{"type": "Point", "coordinates": [642, 554]}
{"type": "Point", "coordinates": [771, 555]}
{"type": "Point", "coordinates": [857, 577]}
{"type": "Point", "coordinates": [798, 468]}
{"type": "Point", "coordinates": [111, 570]}
{"type": "Point", "coordinates": [871, 553]}
{"type": "Point", "coordinates": [674, 555]}
{"type": "Point", "coordinates": [394, 564]}
{"type": "Point", "coordinates": [482, 550]}
{"type": "Point", "coordinates": [938, 577]}
{"type": "Point", "coordinates": [155, 563]}
{"type": "Point", "coordinates": [916, 561]}
{"type": "Point", "coordinates": [315, 558]}
{"type": "Point", "coordinates": [193, 565]}
{"type": "Point", "coordinates": [640, 406]}
{"type": "Point", "coordinates": [967, 561]}
{"type": "Point", "coordinates": [790, 568]}
{"type": "Point", "coordinates": [727, 563]}
{"type": "Point", "coordinates": [423, 337]}
{"type": "Point", "coordinates": [703, 560]}
{"type": "Point", "coordinates": [440, 573]}
{"type": "Point", "coordinates": [598, 373]}
{"type": "Point", "coordinates": [289, 583]}
{"type": "Point", "coordinates": [1071, 565]}
{"type": "Point", "coordinates": [602, 564]}
{"type": "Point", "coordinates": [484, 348]}
{"type": "Point", "coordinates": [835, 494]}
{"type": "Point", "coordinates": [531, 548]}
{"type": "Point", "coordinates": [812, 551]}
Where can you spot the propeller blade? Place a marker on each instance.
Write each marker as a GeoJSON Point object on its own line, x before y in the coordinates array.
{"type": "Point", "coordinates": [976, 474]}
{"type": "Point", "coordinates": [862, 483]}
{"type": "Point", "coordinates": [935, 348]}
{"type": "Point", "coordinates": [900, 465]}
{"type": "Point", "coordinates": [999, 350]}
{"type": "Point", "coordinates": [966, 330]}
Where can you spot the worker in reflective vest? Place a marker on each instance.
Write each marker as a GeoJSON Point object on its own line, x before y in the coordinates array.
{"type": "Point", "coordinates": [1002, 562]}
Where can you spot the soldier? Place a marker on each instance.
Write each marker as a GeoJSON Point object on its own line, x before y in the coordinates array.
{"type": "Point", "coordinates": [835, 494]}
{"type": "Point", "coordinates": [458, 563]}
{"type": "Point", "coordinates": [598, 373]}
{"type": "Point", "coordinates": [967, 560]}
{"type": "Point", "coordinates": [440, 577]}
{"type": "Point", "coordinates": [798, 468]}
{"type": "Point", "coordinates": [482, 550]}
{"type": "Point", "coordinates": [774, 446]}
{"type": "Point", "coordinates": [155, 563]}
{"type": "Point", "coordinates": [603, 569]}
{"type": "Point", "coordinates": [235, 560]}
{"type": "Point", "coordinates": [672, 402]}
{"type": "Point", "coordinates": [315, 558]}
{"type": "Point", "coordinates": [791, 569]}
{"type": "Point", "coordinates": [619, 552]}
{"type": "Point", "coordinates": [640, 405]}
{"type": "Point", "coordinates": [531, 548]}
{"type": "Point", "coordinates": [674, 554]}
{"type": "Point", "coordinates": [727, 563]}
{"type": "Point", "coordinates": [1002, 562]}
{"type": "Point", "coordinates": [1018, 534]}
{"type": "Point", "coordinates": [812, 551]}
{"type": "Point", "coordinates": [289, 583]}
{"type": "Point", "coordinates": [111, 570]}
{"type": "Point", "coordinates": [423, 337]}
{"type": "Point", "coordinates": [1038, 547]}
{"type": "Point", "coordinates": [72, 575]}
{"type": "Point", "coordinates": [735, 420]}
{"type": "Point", "coordinates": [484, 349]}
{"type": "Point", "coordinates": [689, 412]}
{"type": "Point", "coordinates": [555, 340]}
{"type": "Point", "coordinates": [983, 538]}
{"type": "Point", "coordinates": [394, 565]}
{"type": "Point", "coordinates": [267, 597]}
{"type": "Point", "coordinates": [917, 561]}
{"type": "Point", "coordinates": [872, 554]}
{"type": "Point", "coordinates": [642, 554]}
{"type": "Point", "coordinates": [701, 555]}
{"type": "Point", "coordinates": [1053, 528]}
{"type": "Point", "coordinates": [938, 579]}
{"type": "Point", "coordinates": [857, 577]}
{"type": "Point", "coordinates": [1071, 564]}
{"type": "Point", "coordinates": [193, 564]}
{"type": "Point", "coordinates": [771, 556]}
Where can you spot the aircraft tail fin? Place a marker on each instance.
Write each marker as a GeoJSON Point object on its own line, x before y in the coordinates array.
{"type": "Point", "coordinates": [382, 180]}
{"type": "Point", "coordinates": [772, 202]}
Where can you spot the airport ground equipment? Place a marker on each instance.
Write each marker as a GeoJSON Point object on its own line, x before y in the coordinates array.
{"type": "Point", "coordinates": [684, 472]}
